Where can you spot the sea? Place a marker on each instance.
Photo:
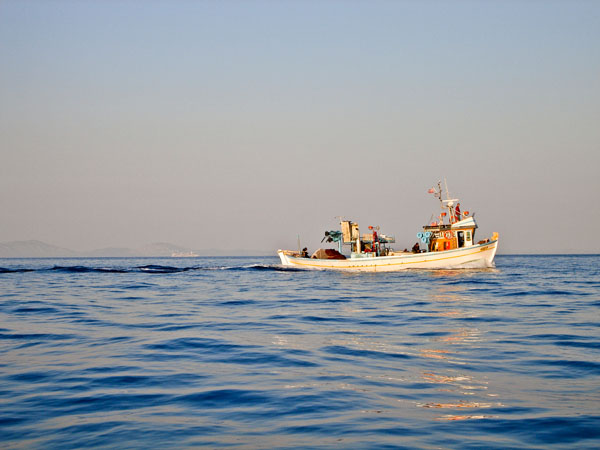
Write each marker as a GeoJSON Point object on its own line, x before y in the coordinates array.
{"type": "Point", "coordinates": [240, 352]}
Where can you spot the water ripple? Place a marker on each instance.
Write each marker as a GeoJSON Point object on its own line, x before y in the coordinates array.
{"type": "Point", "coordinates": [241, 352]}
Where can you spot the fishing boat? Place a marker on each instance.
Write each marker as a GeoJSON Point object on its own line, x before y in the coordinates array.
{"type": "Point", "coordinates": [447, 241]}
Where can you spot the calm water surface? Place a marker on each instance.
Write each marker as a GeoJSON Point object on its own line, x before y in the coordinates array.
{"type": "Point", "coordinates": [238, 352]}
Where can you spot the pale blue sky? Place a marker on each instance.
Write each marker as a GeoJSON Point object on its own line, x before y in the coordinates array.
{"type": "Point", "coordinates": [243, 124]}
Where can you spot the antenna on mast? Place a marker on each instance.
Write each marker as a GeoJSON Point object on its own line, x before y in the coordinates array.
{"type": "Point", "coordinates": [447, 193]}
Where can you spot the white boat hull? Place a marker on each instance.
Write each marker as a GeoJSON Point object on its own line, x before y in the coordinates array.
{"type": "Point", "coordinates": [479, 256]}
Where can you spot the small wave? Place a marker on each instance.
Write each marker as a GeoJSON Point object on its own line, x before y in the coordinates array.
{"type": "Point", "coordinates": [571, 368]}
{"type": "Point", "coordinates": [152, 268]}
{"type": "Point", "coordinates": [205, 345]}
{"type": "Point", "coordinates": [322, 319]}
{"type": "Point", "coordinates": [363, 353]}
{"type": "Point", "coordinates": [549, 431]}
{"type": "Point", "coordinates": [464, 281]}
{"type": "Point", "coordinates": [143, 381]}
{"type": "Point", "coordinates": [261, 267]}
{"type": "Point", "coordinates": [5, 270]}
{"type": "Point", "coordinates": [272, 267]}
{"type": "Point", "coordinates": [86, 269]}
{"type": "Point", "coordinates": [238, 302]}
{"type": "Point", "coordinates": [41, 337]}
{"type": "Point", "coordinates": [149, 268]}
{"type": "Point", "coordinates": [72, 269]}
{"type": "Point", "coordinates": [169, 269]}
{"type": "Point", "coordinates": [223, 398]}
{"type": "Point", "coordinates": [35, 310]}
{"type": "Point", "coordinates": [544, 292]}
{"type": "Point", "coordinates": [155, 268]}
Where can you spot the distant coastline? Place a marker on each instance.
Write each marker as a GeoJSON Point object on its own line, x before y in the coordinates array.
{"type": "Point", "coordinates": [39, 249]}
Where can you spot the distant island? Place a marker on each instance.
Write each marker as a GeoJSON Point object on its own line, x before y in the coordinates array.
{"type": "Point", "coordinates": [39, 249]}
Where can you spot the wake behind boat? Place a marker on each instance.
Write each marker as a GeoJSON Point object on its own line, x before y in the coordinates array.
{"type": "Point", "coordinates": [449, 243]}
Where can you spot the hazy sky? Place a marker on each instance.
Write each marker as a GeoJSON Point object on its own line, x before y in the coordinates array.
{"type": "Point", "coordinates": [241, 124]}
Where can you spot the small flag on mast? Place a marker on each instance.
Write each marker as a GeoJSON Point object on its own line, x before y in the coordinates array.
{"type": "Point", "coordinates": [431, 191]}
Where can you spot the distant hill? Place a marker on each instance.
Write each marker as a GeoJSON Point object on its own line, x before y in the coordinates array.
{"type": "Point", "coordinates": [33, 249]}
{"type": "Point", "coordinates": [114, 252]}
{"type": "Point", "coordinates": [39, 249]}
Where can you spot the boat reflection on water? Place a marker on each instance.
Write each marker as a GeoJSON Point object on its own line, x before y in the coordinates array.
{"type": "Point", "coordinates": [461, 393]}
{"type": "Point", "coordinates": [434, 353]}
{"type": "Point", "coordinates": [454, 273]}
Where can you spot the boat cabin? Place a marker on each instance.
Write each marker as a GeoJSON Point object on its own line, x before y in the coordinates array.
{"type": "Point", "coordinates": [449, 236]}
{"type": "Point", "coordinates": [459, 232]}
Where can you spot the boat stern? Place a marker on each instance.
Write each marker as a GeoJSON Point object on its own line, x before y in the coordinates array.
{"type": "Point", "coordinates": [284, 256]}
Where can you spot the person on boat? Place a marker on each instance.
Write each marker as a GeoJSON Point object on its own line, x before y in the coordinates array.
{"type": "Point", "coordinates": [416, 248]}
{"type": "Point", "coordinates": [457, 213]}
{"type": "Point", "coordinates": [304, 252]}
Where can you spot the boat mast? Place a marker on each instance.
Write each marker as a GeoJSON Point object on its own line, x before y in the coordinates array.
{"type": "Point", "coordinates": [438, 194]}
{"type": "Point", "coordinates": [449, 203]}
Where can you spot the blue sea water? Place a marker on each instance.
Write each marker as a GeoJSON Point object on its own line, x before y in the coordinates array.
{"type": "Point", "coordinates": [242, 353]}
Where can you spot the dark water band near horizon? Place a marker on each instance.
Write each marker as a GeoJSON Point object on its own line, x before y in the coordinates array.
{"type": "Point", "coordinates": [242, 353]}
